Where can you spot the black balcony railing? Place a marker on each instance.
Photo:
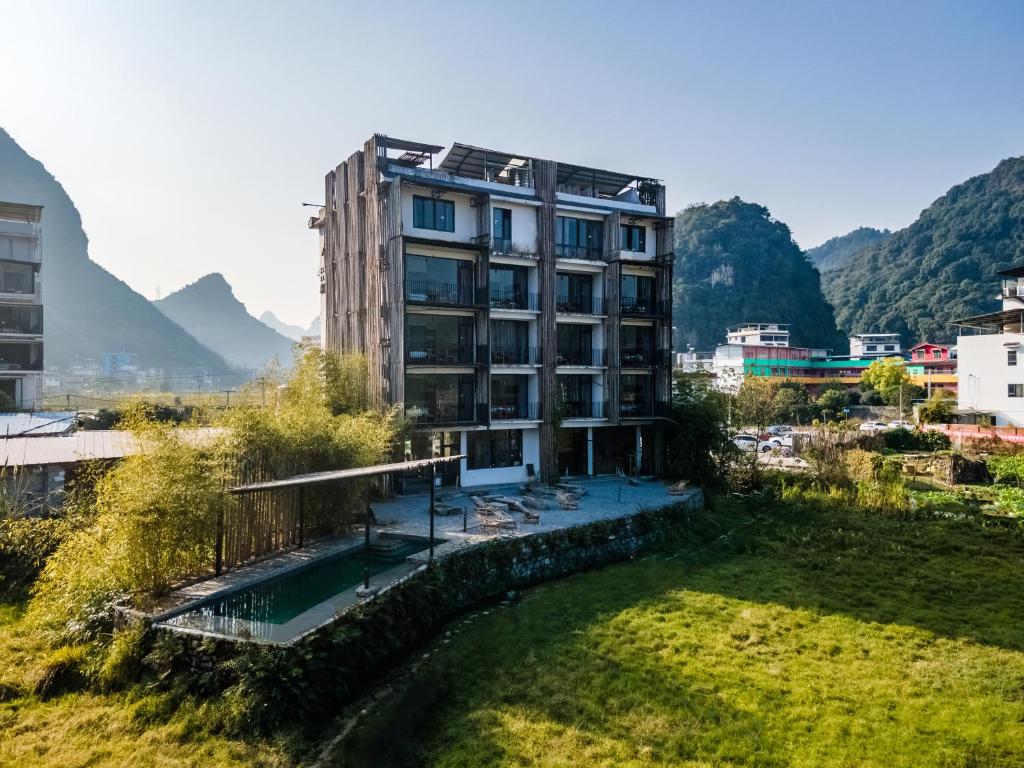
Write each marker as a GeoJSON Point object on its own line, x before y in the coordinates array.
{"type": "Point", "coordinates": [633, 306]}
{"type": "Point", "coordinates": [636, 358]}
{"type": "Point", "coordinates": [514, 355]}
{"type": "Point", "coordinates": [585, 409]}
{"type": "Point", "coordinates": [588, 357]}
{"type": "Point", "coordinates": [514, 300]}
{"type": "Point", "coordinates": [429, 292]}
{"type": "Point", "coordinates": [636, 408]}
{"type": "Point", "coordinates": [580, 305]}
{"type": "Point", "coordinates": [441, 354]}
{"type": "Point", "coordinates": [515, 411]}
{"type": "Point", "coordinates": [588, 252]}
{"type": "Point", "coordinates": [440, 413]}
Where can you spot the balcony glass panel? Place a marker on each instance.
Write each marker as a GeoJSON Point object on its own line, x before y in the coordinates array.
{"type": "Point", "coordinates": [636, 395]}
{"type": "Point", "coordinates": [494, 448]}
{"type": "Point", "coordinates": [576, 346]}
{"type": "Point", "coordinates": [636, 345]}
{"type": "Point", "coordinates": [21, 357]}
{"type": "Point", "coordinates": [435, 280]}
{"type": "Point", "coordinates": [508, 287]}
{"type": "Point", "coordinates": [574, 293]}
{"type": "Point", "coordinates": [440, 399]}
{"type": "Point", "coordinates": [579, 238]}
{"type": "Point", "coordinates": [510, 343]}
{"type": "Point", "coordinates": [510, 398]}
{"type": "Point", "coordinates": [17, 278]}
{"type": "Point", "coordinates": [637, 295]}
{"type": "Point", "coordinates": [438, 340]}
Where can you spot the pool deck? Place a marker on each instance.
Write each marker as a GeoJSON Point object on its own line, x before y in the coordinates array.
{"type": "Point", "coordinates": [605, 498]}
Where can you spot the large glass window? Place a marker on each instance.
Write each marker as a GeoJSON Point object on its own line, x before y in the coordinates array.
{"type": "Point", "coordinates": [508, 288]}
{"type": "Point", "coordinates": [637, 295]}
{"type": "Point", "coordinates": [438, 339]}
{"type": "Point", "coordinates": [509, 397]}
{"type": "Point", "coordinates": [575, 293]}
{"type": "Point", "coordinates": [577, 394]}
{"type": "Point", "coordinates": [637, 345]}
{"type": "Point", "coordinates": [632, 237]}
{"type": "Point", "coordinates": [635, 395]}
{"type": "Point", "coordinates": [17, 278]}
{"type": "Point", "coordinates": [437, 280]}
{"type": "Point", "coordinates": [428, 213]}
{"type": "Point", "coordinates": [502, 230]}
{"type": "Point", "coordinates": [495, 448]}
{"type": "Point", "coordinates": [576, 346]}
{"type": "Point", "coordinates": [510, 343]}
{"type": "Point", "coordinates": [578, 238]}
{"type": "Point", "coordinates": [21, 319]}
{"type": "Point", "coordinates": [440, 398]}
{"type": "Point", "coordinates": [21, 357]}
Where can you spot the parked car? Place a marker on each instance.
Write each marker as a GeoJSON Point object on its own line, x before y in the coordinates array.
{"type": "Point", "coordinates": [873, 426]}
{"type": "Point", "coordinates": [779, 429]}
{"type": "Point", "coordinates": [781, 441]}
{"type": "Point", "coordinates": [900, 424]}
{"type": "Point", "coordinates": [751, 443]}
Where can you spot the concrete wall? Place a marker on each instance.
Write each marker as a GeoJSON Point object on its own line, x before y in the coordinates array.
{"type": "Point", "coordinates": [984, 376]}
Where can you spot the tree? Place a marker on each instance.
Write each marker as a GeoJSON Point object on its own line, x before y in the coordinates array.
{"type": "Point", "coordinates": [792, 404]}
{"type": "Point", "coordinates": [937, 409]}
{"type": "Point", "coordinates": [831, 403]}
{"type": "Point", "coordinates": [701, 442]}
{"type": "Point", "coordinates": [757, 408]}
{"type": "Point", "coordinates": [890, 379]}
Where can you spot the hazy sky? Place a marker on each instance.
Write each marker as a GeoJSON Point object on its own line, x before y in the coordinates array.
{"type": "Point", "coordinates": [188, 133]}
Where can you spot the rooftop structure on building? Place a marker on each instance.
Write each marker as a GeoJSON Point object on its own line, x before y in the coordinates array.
{"type": "Point", "coordinates": [519, 308]}
{"type": "Point", "coordinates": [874, 345]}
{"type": "Point", "coordinates": [759, 334]}
{"type": "Point", "coordinates": [21, 305]}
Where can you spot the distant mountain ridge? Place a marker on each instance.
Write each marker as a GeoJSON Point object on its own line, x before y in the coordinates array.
{"type": "Point", "coordinates": [86, 310]}
{"type": "Point", "coordinates": [940, 268]}
{"type": "Point", "coordinates": [834, 252]}
{"type": "Point", "coordinates": [209, 311]}
{"type": "Point", "coordinates": [734, 264]}
{"type": "Point", "coordinates": [293, 332]}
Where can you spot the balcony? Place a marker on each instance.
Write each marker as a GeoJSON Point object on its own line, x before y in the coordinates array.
{"type": "Point", "coordinates": [633, 306]}
{"type": "Point", "coordinates": [443, 294]}
{"type": "Point", "coordinates": [20, 356]}
{"type": "Point", "coordinates": [592, 358]}
{"type": "Point", "coordinates": [515, 355]}
{"type": "Point", "coordinates": [644, 409]}
{"type": "Point", "coordinates": [506, 246]}
{"type": "Point", "coordinates": [27, 320]}
{"type": "Point", "coordinates": [512, 175]}
{"type": "Point", "coordinates": [434, 413]}
{"type": "Point", "coordinates": [587, 252]}
{"type": "Point", "coordinates": [518, 411]}
{"type": "Point", "coordinates": [585, 409]}
{"type": "Point", "coordinates": [514, 300]}
{"type": "Point", "coordinates": [580, 305]}
{"type": "Point", "coordinates": [644, 358]}
{"type": "Point", "coordinates": [445, 354]}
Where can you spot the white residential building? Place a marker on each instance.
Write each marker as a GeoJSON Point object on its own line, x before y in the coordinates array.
{"type": "Point", "coordinates": [866, 345]}
{"type": "Point", "coordinates": [759, 334]}
{"type": "Point", "coordinates": [21, 306]}
{"type": "Point", "coordinates": [990, 359]}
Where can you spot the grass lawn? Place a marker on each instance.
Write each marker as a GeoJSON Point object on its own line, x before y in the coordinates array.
{"type": "Point", "coordinates": [825, 639]}
{"type": "Point", "coordinates": [92, 729]}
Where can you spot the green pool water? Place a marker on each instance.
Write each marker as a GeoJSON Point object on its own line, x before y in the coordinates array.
{"type": "Point", "coordinates": [281, 599]}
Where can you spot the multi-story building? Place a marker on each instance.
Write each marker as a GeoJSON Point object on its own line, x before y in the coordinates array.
{"type": "Point", "coordinates": [990, 359]}
{"type": "Point", "coordinates": [518, 308]}
{"type": "Point", "coordinates": [933, 366]}
{"type": "Point", "coordinates": [21, 306]}
{"type": "Point", "coordinates": [875, 345]}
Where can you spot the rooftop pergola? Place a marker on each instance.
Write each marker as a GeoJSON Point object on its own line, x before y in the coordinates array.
{"type": "Point", "coordinates": [301, 482]}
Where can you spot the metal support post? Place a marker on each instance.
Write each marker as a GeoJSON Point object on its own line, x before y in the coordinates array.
{"type": "Point", "coordinates": [433, 481]}
{"type": "Point", "coordinates": [366, 540]}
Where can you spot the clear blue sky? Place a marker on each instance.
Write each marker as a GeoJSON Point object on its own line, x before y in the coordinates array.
{"type": "Point", "coordinates": [188, 133]}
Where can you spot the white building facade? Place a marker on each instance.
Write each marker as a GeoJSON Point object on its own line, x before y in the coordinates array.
{"type": "Point", "coordinates": [867, 345]}
{"type": "Point", "coordinates": [21, 306]}
{"type": "Point", "coordinates": [990, 359]}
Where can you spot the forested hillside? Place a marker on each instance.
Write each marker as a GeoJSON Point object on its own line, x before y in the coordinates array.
{"type": "Point", "coordinates": [835, 252]}
{"type": "Point", "coordinates": [941, 267]}
{"type": "Point", "coordinates": [735, 263]}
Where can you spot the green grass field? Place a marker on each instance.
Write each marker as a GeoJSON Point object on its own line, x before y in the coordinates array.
{"type": "Point", "coordinates": [819, 640]}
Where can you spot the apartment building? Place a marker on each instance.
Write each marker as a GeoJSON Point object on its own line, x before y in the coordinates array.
{"type": "Point", "coordinates": [759, 334]}
{"type": "Point", "coordinates": [875, 345]}
{"type": "Point", "coordinates": [990, 359]}
{"type": "Point", "coordinates": [518, 308]}
{"type": "Point", "coordinates": [21, 306]}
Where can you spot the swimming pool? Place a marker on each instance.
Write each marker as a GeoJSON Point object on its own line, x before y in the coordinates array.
{"type": "Point", "coordinates": [283, 606]}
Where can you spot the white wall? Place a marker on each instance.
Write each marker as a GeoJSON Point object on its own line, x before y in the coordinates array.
{"type": "Point", "coordinates": [531, 455]}
{"type": "Point", "coordinates": [984, 376]}
{"type": "Point", "coordinates": [524, 225]}
{"type": "Point", "coordinates": [465, 216]}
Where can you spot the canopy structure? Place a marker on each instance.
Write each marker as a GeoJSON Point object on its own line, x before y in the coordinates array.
{"type": "Point", "coordinates": [1007, 320]}
{"type": "Point", "coordinates": [301, 482]}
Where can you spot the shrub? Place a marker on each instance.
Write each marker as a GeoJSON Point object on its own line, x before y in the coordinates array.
{"type": "Point", "coordinates": [1008, 469]}
{"type": "Point", "coordinates": [1010, 500]}
{"type": "Point", "coordinates": [868, 467]}
{"type": "Point", "coordinates": [916, 440]}
{"type": "Point", "coordinates": [62, 671]}
{"type": "Point", "coordinates": [25, 543]}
